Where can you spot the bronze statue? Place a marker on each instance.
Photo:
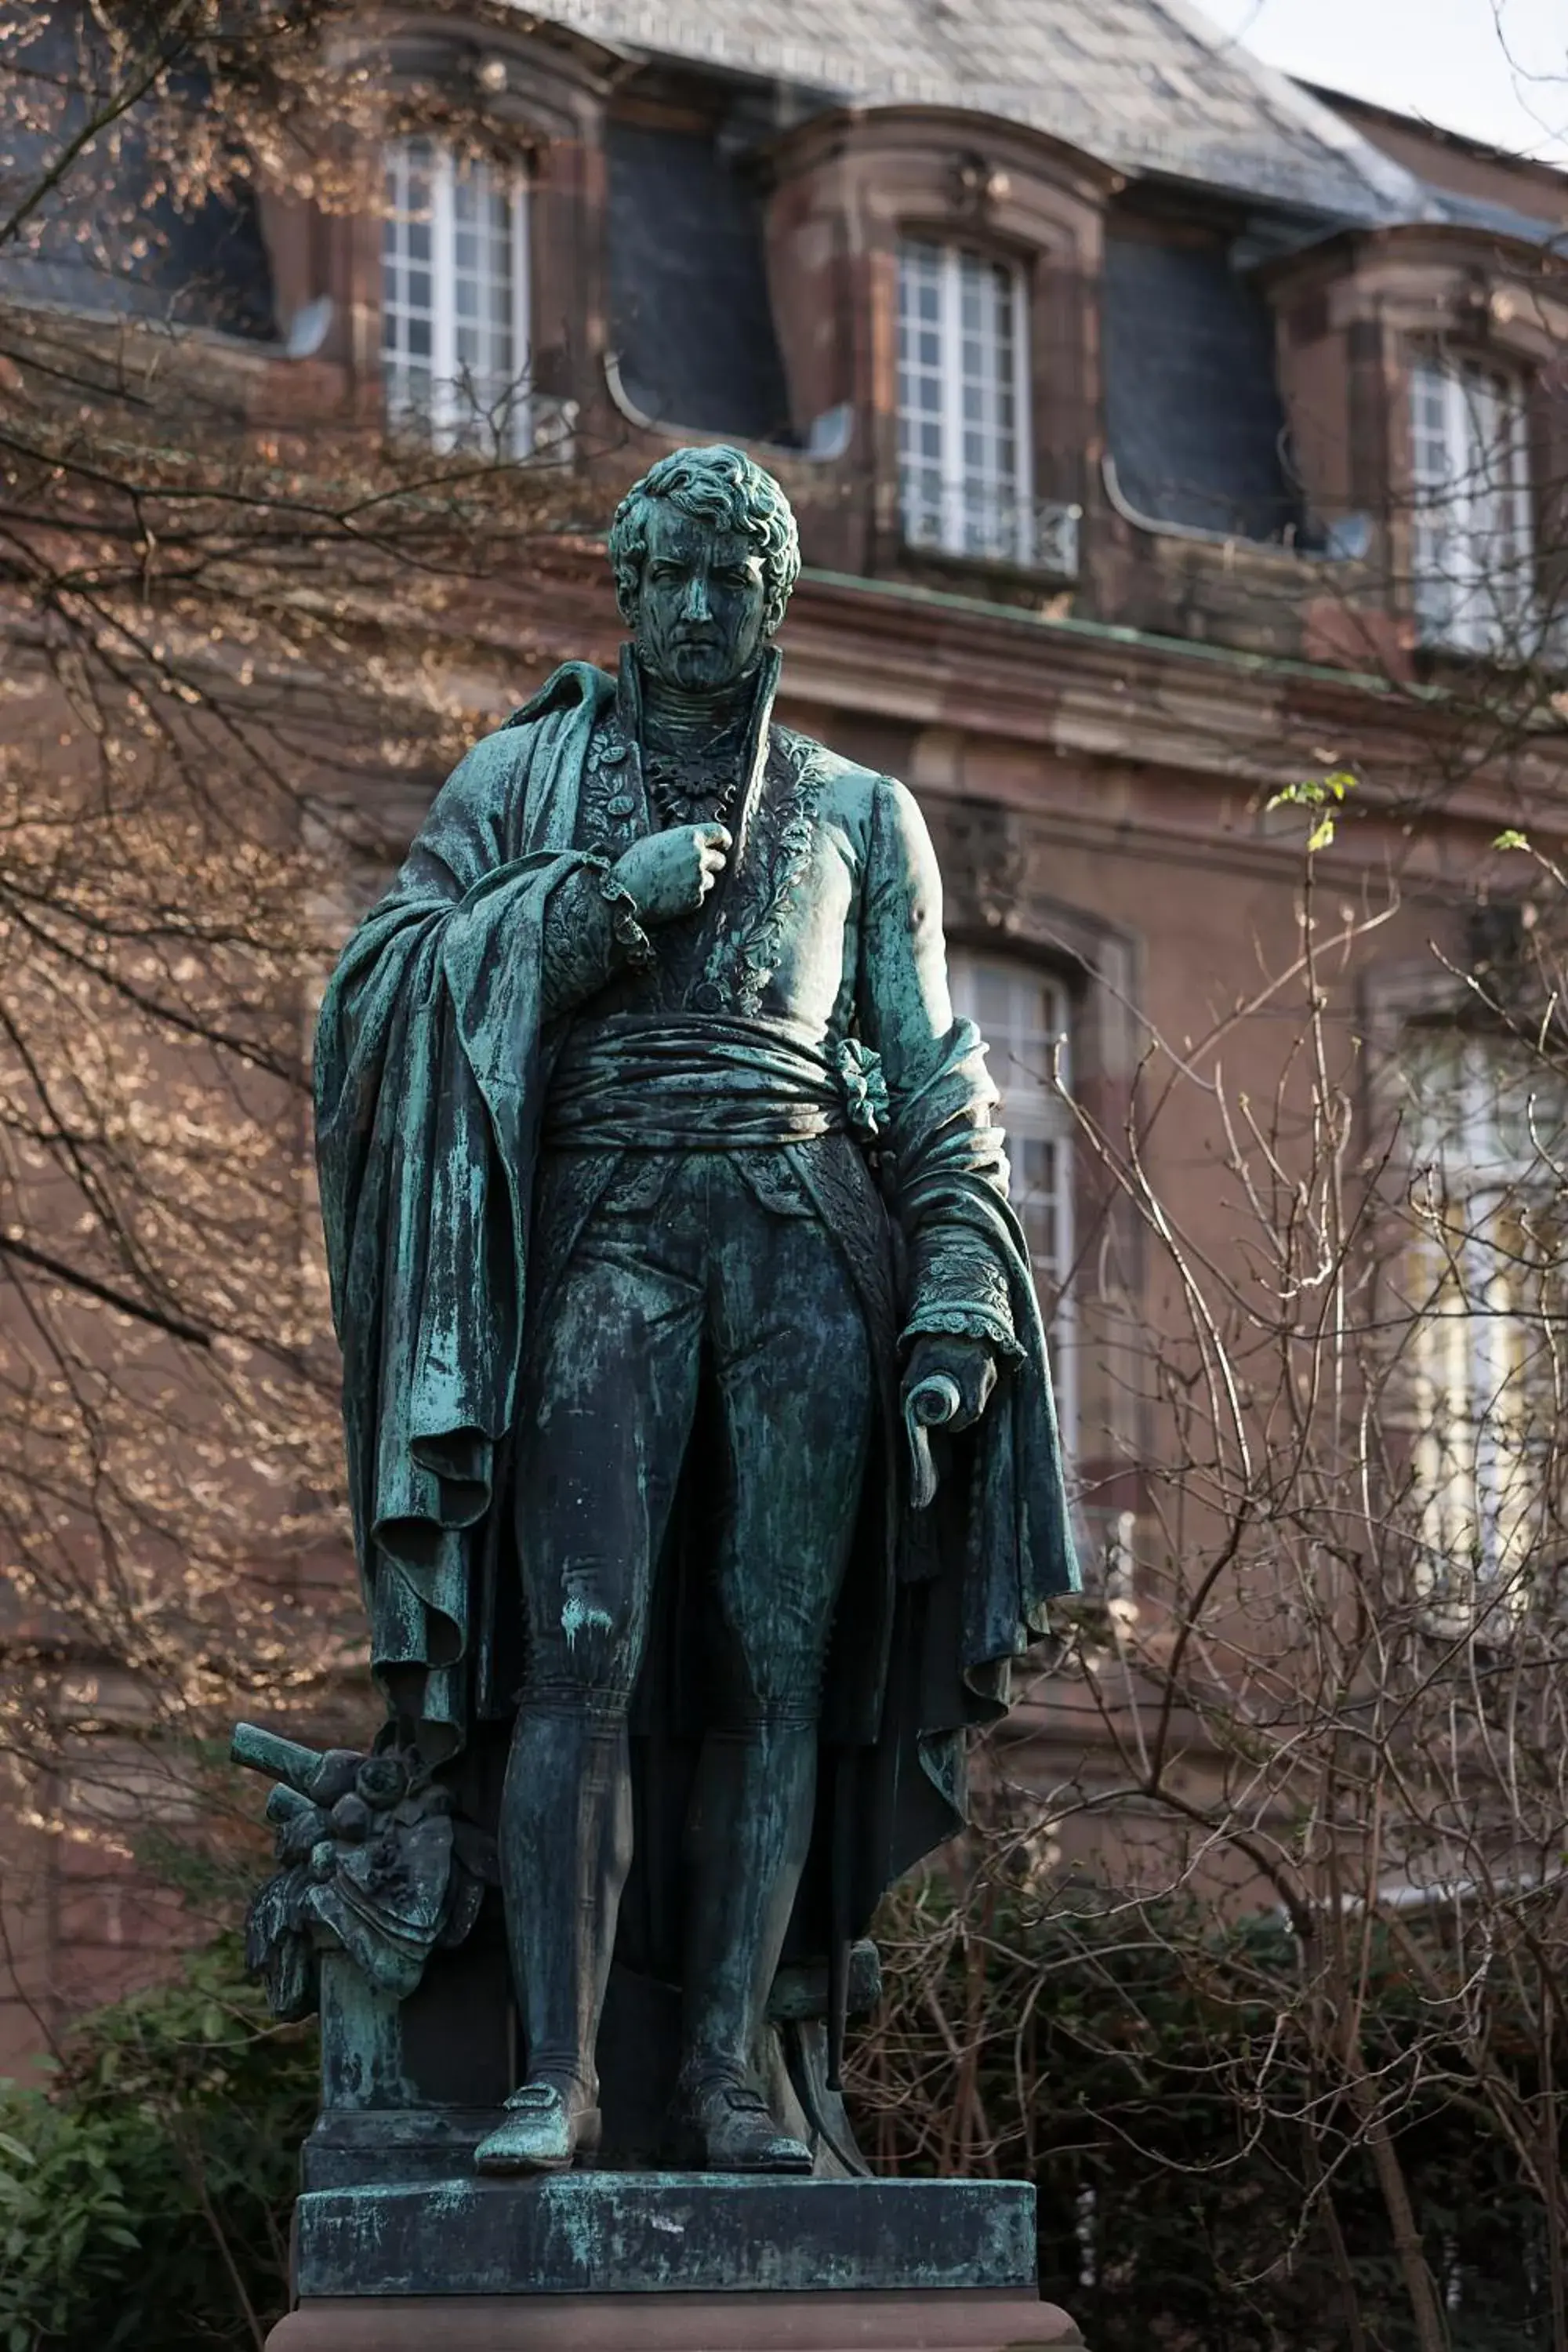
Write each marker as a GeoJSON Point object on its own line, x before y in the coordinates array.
{"type": "Point", "coordinates": [699, 1421]}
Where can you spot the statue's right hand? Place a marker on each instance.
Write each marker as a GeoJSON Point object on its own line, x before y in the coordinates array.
{"type": "Point", "coordinates": [671, 872]}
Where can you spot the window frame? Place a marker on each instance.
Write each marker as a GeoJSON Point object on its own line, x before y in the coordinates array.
{"type": "Point", "coordinates": [1040, 1112]}
{"type": "Point", "coordinates": [448, 418]}
{"type": "Point", "coordinates": [1472, 562]}
{"type": "Point", "coordinates": [971, 522]}
{"type": "Point", "coordinates": [1473, 1346]}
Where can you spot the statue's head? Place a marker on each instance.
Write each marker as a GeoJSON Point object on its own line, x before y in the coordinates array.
{"type": "Point", "coordinates": [705, 553]}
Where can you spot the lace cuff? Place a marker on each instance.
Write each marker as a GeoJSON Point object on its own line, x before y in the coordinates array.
{"type": "Point", "coordinates": [590, 929]}
{"type": "Point", "coordinates": [628, 931]}
{"type": "Point", "coordinates": [962, 1320]}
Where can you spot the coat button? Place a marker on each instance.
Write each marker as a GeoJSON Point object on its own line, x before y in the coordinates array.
{"type": "Point", "coordinates": [623, 806]}
{"type": "Point", "coordinates": [708, 997]}
{"type": "Point", "coordinates": [613, 754]}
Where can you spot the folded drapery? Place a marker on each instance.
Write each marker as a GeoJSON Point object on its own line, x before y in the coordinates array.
{"type": "Point", "coordinates": [691, 1082]}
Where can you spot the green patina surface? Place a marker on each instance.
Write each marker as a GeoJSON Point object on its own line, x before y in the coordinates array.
{"type": "Point", "coordinates": [361, 2041]}
{"type": "Point", "coordinates": [699, 1427]}
{"type": "Point", "coordinates": [669, 2232]}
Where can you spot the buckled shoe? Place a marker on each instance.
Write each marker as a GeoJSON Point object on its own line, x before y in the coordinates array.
{"type": "Point", "coordinates": [547, 2128]}
{"type": "Point", "coordinates": [719, 2124]}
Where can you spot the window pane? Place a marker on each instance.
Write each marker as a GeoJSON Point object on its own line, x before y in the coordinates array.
{"type": "Point", "coordinates": [1471, 537]}
{"type": "Point", "coordinates": [1022, 1014]}
{"type": "Point", "coordinates": [1484, 1120]}
{"type": "Point", "coordinates": [452, 299]}
{"type": "Point", "coordinates": [960, 374]}
{"type": "Point", "coordinates": [1037, 1197]}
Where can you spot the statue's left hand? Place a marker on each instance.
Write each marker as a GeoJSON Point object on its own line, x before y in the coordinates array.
{"type": "Point", "coordinates": [968, 1364]}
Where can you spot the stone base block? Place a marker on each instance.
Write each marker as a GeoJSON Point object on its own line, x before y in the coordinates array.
{"type": "Point", "coordinates": [995, 2322]}
{"type": "Point", "coordinates": [650, 2233]}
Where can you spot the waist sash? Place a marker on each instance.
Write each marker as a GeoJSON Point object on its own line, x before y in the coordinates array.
{"type": "Point", "coordinates": [690, 1082]}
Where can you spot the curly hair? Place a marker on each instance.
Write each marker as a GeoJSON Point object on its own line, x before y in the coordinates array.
{"type": "Point", "coordinates": [717, 485]}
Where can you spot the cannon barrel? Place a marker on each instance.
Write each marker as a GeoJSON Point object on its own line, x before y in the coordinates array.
{"type": "Point", "coordinates": [286, 1804]}
{"type": "Point", "coordinates": [286, 1759]}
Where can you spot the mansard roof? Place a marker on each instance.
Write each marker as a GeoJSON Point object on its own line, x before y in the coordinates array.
{"type": "Point", "coordinates": [1147, 86]}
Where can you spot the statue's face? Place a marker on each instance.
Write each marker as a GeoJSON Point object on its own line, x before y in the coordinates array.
{"type": "Point", "coordinates": [701, 603]}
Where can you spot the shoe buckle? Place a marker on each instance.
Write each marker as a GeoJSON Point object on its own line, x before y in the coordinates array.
{"type": "Point", "coordinates": [534, 2098]}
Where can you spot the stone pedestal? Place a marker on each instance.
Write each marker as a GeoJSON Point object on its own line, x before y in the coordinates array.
{"type": "Point", "coordinates": [668, 2262]}
{"type": "Point", "coordinates": [666, 2234]}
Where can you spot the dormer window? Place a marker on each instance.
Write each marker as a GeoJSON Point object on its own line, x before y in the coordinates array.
{"type": "Point", "coordinates": [1472, 544]}
{"type": "Point", "coordinates": [963, 404]}
{"type": "Point", "coordinates": [453, 301]}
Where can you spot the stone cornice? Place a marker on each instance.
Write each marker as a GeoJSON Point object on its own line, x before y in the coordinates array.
{"type": "Point", "coordinates": [1098, 690]}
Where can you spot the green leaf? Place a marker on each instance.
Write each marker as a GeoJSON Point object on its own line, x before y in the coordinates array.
{"type": "Point", "coordinates": [1323, 833]}
{"type": "Point", "coordinates": [1312, 792]}
{"type": "Point", "coordinates": [1511, 839]}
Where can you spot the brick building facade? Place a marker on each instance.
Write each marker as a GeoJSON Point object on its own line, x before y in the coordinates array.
{"type": "Point", "coordinates": [1122, 387]}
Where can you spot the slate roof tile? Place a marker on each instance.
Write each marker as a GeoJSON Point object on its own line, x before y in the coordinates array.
{"type": "Point", "coordinates": [1193, 411]}
{"type": "Point", "coordinates": [689, 306]}
{"type": "Point", "coordinates": [1147, 86]}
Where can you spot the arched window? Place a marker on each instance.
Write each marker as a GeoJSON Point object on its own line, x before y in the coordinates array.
{"type": "Point", "coordinates": [1022, 1013]}
{"type": "Point", "coordinates": [455, 298]}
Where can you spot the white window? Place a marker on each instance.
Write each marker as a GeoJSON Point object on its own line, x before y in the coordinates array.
{"type": "Point", "coordinates": [1472, 554]}
{"type": "Point", "coordinates": [1483, 1127]}
{"type": "Point", "coordinates": [453, 298]}
{"type": "Point", "coordinates": [1022, 1014]}
{"type": "Point", "coordinates": [963, 404]}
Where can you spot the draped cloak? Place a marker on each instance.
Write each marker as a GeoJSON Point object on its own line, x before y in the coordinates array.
{"type": "Point", "coordinates": [433, 1066]}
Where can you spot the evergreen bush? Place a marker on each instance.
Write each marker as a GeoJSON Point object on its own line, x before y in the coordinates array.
{"type": "Point", "coordinates": [146, 2180]}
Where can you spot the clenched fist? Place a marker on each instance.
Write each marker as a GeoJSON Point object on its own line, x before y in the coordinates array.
{"type": "Point", "coordinates": [671, 872]}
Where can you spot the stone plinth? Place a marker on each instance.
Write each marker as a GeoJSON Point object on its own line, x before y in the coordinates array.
{"type": "Point", "coordinates": [943, 2322]}
{"type": "Point", "coordinates": [665, 2232]}
{"type": "Point", "coordinates": [668, 2262]}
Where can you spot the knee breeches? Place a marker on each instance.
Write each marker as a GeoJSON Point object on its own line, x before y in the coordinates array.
{"type": "Point", "coordinates": [709, 1287]}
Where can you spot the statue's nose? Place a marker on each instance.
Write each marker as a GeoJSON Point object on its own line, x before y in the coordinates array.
{"type": "Point", "coordinates": [697, 605]}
